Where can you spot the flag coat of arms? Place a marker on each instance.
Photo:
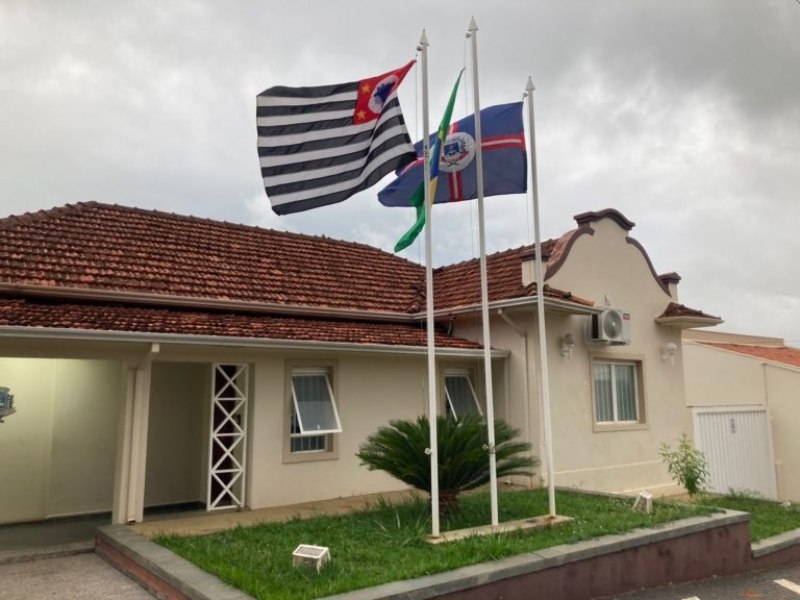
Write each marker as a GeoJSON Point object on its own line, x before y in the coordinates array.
{"type": "Point", "coordinates": [320, 145]}
{"type": "Point", "coordinates": [504, 160]}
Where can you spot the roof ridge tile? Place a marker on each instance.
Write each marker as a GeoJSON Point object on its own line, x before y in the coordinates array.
{"type": "Point", "coordinates": [40, 215]}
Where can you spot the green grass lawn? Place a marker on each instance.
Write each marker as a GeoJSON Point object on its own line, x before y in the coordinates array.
{"type": "Point", "coordinates": [386, 543]}
{"type": "Point", "coordinates": [767, 518]}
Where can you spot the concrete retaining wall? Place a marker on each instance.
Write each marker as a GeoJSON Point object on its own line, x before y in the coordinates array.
{"type": "Point", "coordinates": [686, 550]}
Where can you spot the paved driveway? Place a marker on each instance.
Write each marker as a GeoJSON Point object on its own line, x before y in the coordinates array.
{"type": "Point", "coordinates": [778, 584]}
{"type": "Point", "coordinates": [77, 577]}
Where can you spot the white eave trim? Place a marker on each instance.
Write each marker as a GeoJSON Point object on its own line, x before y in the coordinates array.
{"type": "Point", "coordinates": [688, 322]}
{"type": "Point", "coordinates": [528, 302]}
{"type": "Point", "coordinates": [89, 335]}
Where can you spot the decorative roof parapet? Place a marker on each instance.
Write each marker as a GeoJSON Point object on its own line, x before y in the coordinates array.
{"type": "Point", "coordinates": [670, 280]}
{"type": "Point", "coordinates": [587, 218]}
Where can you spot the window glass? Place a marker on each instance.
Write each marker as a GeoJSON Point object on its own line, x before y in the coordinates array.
{"type": "Point", "coordinates": [616, 393]}
{"type": "Point", "coordinates": [314, 404]}
{"type": "Point", "coordinates": [306, 443]}
{"type": "Point", "coordinates": [604, 401]}
{"type": "Point", "coordinates": [625, 376]}
{"type": "Point", "coordinates": [461, 398]}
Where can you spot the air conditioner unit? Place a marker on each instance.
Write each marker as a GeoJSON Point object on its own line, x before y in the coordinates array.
{"type": "Point", "coordinates": [612, 326]}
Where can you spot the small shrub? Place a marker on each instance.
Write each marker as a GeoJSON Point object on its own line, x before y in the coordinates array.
{"type": "Point", "coordinates": [744, 494]}
{"type": "Point", "coordinates": [401, 450]}
{"type": "Point", "coordinates": [686, 464]}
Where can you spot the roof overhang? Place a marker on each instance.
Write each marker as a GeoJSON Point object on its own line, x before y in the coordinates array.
{"type": "Point", "coordinates": [687, 322]}
{"type": "Point", "coordinates": [216, 341]}
{"type": "Point", "coordinates": [295, 310]}
{"type": "Point", "coordinates": [551, 304]}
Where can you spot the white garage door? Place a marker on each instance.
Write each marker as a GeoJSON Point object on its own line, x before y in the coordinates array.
{"type": "Point", "coordinates": [738, 445]}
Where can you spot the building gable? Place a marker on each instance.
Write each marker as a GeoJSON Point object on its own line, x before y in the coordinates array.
{"type": "Point", "coordinates": [600, 260]}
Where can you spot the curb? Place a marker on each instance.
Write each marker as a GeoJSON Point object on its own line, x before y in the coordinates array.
{"type": "Point", "coordinates": [162, 572]}
{"type": "Point", "coordinates": [167, 575]}
{"type": "Point", "coordinates": [776, 543]}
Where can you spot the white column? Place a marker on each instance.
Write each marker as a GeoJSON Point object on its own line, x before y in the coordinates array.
{"type": "Point", "coordinates": [129, 478]}
{"type": "Point", "coordinates": [123, 463]}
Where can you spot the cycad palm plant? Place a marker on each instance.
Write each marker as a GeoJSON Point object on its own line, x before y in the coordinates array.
{"type": "Point", "coordinates": [401, 450]}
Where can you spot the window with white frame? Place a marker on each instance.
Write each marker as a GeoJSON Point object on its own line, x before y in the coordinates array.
{"type": "Point", "coordinates": [314, 416]}
{"type": "Point", "coordinates": [617, 394]}
{"type": "Point", "coordinates": [460, 396]}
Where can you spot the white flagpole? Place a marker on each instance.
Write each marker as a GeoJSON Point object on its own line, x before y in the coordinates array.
{"type": "Point", "coordinates": [544, 379]}
{"type": "Point", "coordinates": [487, 348]}
{"type": "Point", "coordinates": [432, 387]}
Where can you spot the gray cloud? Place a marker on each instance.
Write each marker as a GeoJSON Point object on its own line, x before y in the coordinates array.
{"type": "Point", "coordinates": [682, 114]}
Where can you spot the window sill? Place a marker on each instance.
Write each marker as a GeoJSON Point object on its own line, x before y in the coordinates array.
{"type": "Point", "coordinates": [303, 457]}
{"type": "Point", "coordinates": [603, 427]}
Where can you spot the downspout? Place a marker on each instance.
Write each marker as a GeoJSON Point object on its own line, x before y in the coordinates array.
{"type": "Point", "coordinates": [524, 335]}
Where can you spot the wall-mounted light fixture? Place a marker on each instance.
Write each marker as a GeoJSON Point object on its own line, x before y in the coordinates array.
{"type": "Point", "coordinates": [668, 352]}
{"type": "Point", "coordinates": [6, 403]}
{"type": "Point", "coordinates": [567, 345]}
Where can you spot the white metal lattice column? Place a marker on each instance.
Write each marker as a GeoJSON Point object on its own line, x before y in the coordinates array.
{"type": "Point", "coordinates": [227, 456]}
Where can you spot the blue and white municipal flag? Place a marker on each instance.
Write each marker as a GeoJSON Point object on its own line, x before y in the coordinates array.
{"type": "Point", "coordinates": [505, 161]}
{"type": "Point", "coordinates": [320, 145]}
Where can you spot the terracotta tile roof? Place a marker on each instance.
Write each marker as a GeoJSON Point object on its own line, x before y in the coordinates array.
{"type": "Point", "coordinates": [679, 310]}
{"type": "Point", "coordinates": [107, 248]}
{"type": "Point", "coordinates": [780, 354]}
{"type": "Point", "coordinates": [19, 312]}
{"type": "Point", "coordinates": [95, 246]}
{"type": "Point", "coordinates": [459, 284]}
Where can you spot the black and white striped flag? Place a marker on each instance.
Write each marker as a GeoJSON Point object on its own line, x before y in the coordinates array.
{"type": "Point", "coordinates": [320, 145]}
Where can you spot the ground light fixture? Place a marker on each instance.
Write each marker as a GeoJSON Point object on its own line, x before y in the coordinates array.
{"type": "Point", "coordinates": [6, 403]}
{"type": "Point", "coordinates": [644, 502]}
{"type": "Point", "coordinates": [311, 556]}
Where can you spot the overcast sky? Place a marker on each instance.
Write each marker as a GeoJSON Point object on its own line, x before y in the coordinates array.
{"type": "Point", "coordinates": [682, 114]}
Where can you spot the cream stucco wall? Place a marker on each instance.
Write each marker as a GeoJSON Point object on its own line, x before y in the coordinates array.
{"type": "Point", "coordinates": [513, 383]}
{"type": "Point", "coordinates": [467, 326]}
{"type": "Point", "coordinates": [715, 377]}
{"type": "Point", "coordinates": [606, 267]}
{"type": "Point", "coordinates": [599, 267]}
{"type": "Point", "coordinates": [177, 444]}
{"type": "Point", "coordinates": [718, 377]}
{"type": "Point", "coordinates": [85, 416]}
{"type": "Point", "coordinates": [58, 449]}
{"type": "Point", "coordinates": [370, 390]}
{"type": "Point", "coordinates": [25, 439]}
{"type": "Point", "coordinates": [783, 399]}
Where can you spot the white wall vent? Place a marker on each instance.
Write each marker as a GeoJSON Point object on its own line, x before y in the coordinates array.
{"type": "Point", "coordinates": [612, 326]}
